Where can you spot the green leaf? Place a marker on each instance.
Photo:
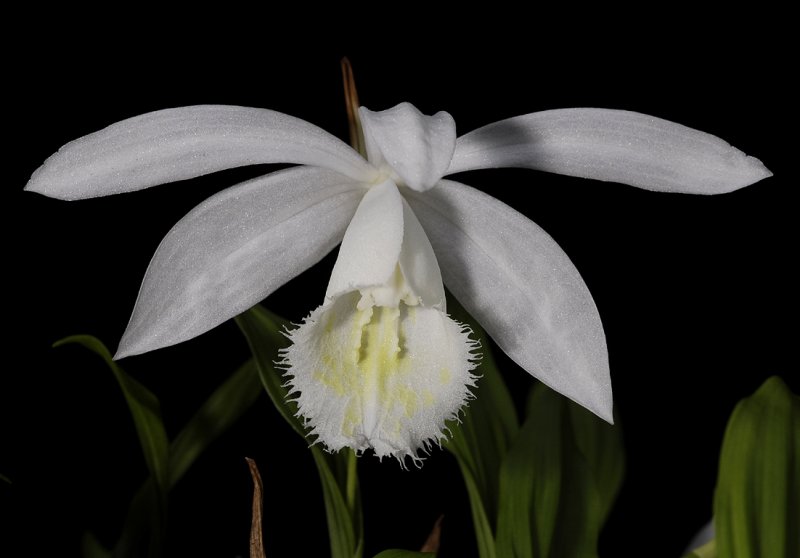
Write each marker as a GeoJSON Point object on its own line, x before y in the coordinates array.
{"type": "Point", "coordinates": [346, 541]}
{"type": "Point", "coordinates": [262, 329]}
{"type": "Point", "coordinates": [146, 412]}
{"type": "Point", "coordinates": [404, 554]}
{"type": "Point", "coordinates": [602, 446]}
{"type": "Point", "coordinates": [756, 503]}
{"type": "Point", "coordinates": [91, 547]}
{"type": "Point", "coordinates": [220, 411]}
{"type": "Point", "coordinates": [484, 534]}
{"type": "Point", "coordinates": [551, 501]}
{"type": "Point", "coordinates": [481, 440]}
{"type": "Point", "coordinates": [340, 492]}
{"type": "Point", "coordinates": [144, 408]}
{"type": "Point", "coordinates": [144, 530]}
{"type": "Point", "coordinates": [5, 478]}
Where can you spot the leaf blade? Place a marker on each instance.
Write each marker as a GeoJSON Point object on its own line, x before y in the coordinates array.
{"type": "Point", "coordinates": [219, 412]}
{"type": "Point", "coordinates": [262, 329]}
{"type": "Point", "coordinates": [396, 553]}
{"type": "Point", "coordinates": [602, 445]}
{"type": "Point", "coordinates": [551, 504]}
{"type": "Point", "coordinates": [756, 502]}
{"type": "Point", "coordinates": [489, 421]}
{"type": "Point", "coordinates": [144, 407]}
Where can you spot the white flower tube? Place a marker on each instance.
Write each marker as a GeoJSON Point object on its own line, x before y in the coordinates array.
{"type": "Point", "coordinates": [380, 364]}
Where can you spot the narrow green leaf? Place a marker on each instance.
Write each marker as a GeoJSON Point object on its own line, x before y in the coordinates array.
{"type": "Point", "coordinates": [602, 446]}
{"type": "Point", "coordinates": [5, 478]}
{"type": "Point", "coordinates": [757, 499]}
{"type": "Point", "coordinates": [484, 534]}
{"type": "Point", "coordinates": [146, 412]}
{"type": "Point", "coordinates": [550, 506]}
{"type": "Point", "coordinates": [228, 402]}
{"type": "Point", "coordinates": [341, 530]}
{"type": "Point", "coordinates": [91, 547]}
{"type": "Point", "coordinates": [263, 331]}
{"type": "Point", "coordinates": [404, 554]}
{"type": "Point", "coordinates": [144, 526]}
{"type": "Point", "coordinates": [534, 456]}
{"type": "Point", "coordinates": [220, 411]}
{"type": "Point", "coordinates": [489, 424]}
{"type": "Point", "coordinates": [144, 408]}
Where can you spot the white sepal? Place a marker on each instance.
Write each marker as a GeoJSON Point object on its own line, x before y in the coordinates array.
{"type": "Point", "coordinates": [234, 249]}
{"type": "Point", "coordinates": [612, 145]}
{"type": "Point", "coordinates": [415, 146]}
{"type": "Point", "coordinates": [522, 288]}
{"type": "Point", "coordinates": [181, 143]}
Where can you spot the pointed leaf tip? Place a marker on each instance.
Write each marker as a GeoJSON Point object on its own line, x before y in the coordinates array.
{"type": "Point", "coordinates": [144, 407]}
{"type": "Point", "coordinates": [558, 481]}
{"type": "Point", "coordinates": [757, 499]}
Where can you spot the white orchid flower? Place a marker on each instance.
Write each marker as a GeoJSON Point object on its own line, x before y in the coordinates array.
{"type": "Point", "coordinates": [380, 364]}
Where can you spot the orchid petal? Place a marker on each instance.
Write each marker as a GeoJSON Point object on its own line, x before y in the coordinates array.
{"type": "Point", "coordinates": [371, 246]}
{"type": "Point", "coordinates": [181, 143]}
{"type": "Point", "coordinates": [418, 262]}
{"type": "Point", "coordinates": [231, 251]}
{"type": "Point", "coordinates": [522, 288]}
{"type": "Point", "coordinates": [417, 147]}
{"type": "Point", "coordinates": [613, 145]}
{"type": "Point", "coordinates": [384, 235]}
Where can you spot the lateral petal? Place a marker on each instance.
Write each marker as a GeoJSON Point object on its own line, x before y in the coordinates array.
{"type": "Point", "coordinates": [611, 145]}
{"type": "Point", "coordinates": [181, 143]}
{"type": "Point", "coordinates": [418, 262]}
{"type": "Point", "coordinates": [236, 248]}
{"type": "Point", "coordinates": [417, 147]}
{"type": "Point", "coordinates": [522, 288]}
{"type": "Point", "coordinates": [371, 246]}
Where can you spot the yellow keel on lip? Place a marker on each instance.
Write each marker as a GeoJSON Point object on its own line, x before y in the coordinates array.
{"type": "Point", "coordinates": [380, 377]}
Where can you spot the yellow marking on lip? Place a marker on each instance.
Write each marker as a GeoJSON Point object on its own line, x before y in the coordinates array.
{"type": "Point", "coordinates": [373, 366]}
{"type": "Point", "coordinates": [352, 417]}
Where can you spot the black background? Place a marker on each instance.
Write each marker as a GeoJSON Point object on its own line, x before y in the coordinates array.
{"type": "Point", "coordinates": [697, 294]}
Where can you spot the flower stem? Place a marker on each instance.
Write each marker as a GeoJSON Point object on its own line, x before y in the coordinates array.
{"type": "Point", "coordinates": [352, 482]}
